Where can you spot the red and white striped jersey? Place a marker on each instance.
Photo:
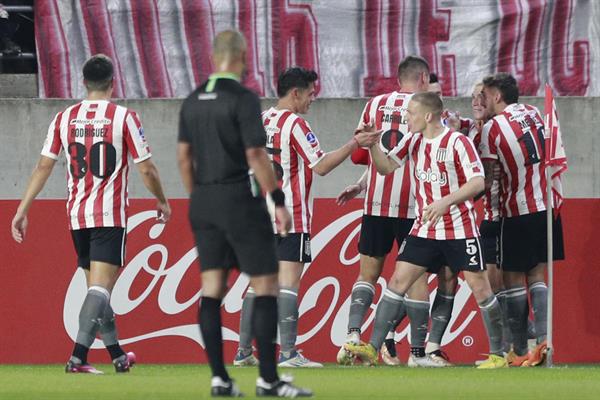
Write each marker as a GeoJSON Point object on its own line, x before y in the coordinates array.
{"type": "Point", "coordinates": [294, 150]}
{"type": "Point", "coordinates": [491, 198]}
{"type": "Point", "coordinates": [441, 166]}
{"type": "Point", "coordinates": [390, 195]}
{"type": "Point", "coordinates": [515, 138]}
{"type": "Point", "coordinates": [97, 137]}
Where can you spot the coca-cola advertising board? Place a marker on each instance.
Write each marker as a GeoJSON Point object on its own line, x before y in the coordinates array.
{"type": "Point", "coordinates": [156, 296]}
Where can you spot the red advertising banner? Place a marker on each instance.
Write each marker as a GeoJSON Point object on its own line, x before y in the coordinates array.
{"type": "Point", "coordinates": [156, 296]}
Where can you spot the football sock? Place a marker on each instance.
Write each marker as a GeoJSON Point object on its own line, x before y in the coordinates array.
{"type": "Point", "coordinates": [90, 316]}
{"type": "Point", "coordinates": [506, 334]}
{"type": "Point", "coordinates": [389, 310]}
{"type": "Point", "coordinates": [390, 345]}
{"type": "Point", "coordinates": [108, 333]}
{"type": "Point", "coordinates": [491, 312]}
{"type": "Point", "coordinates": [360, 301]}
{"type": "Point", "coordinates": [79, 355]}
{"type": "Point", "coordinates": [246, 320]}
{"type": "Point", "coordinates": [517, 311]}
{"type": "Point", "coordinates": [264, 329]}
{"type": "Point", "coordinates": [392, 333]}
{"type": "Point", "coordinates": [539, 303]}
{"type": "Point", "coordinates": [441, 313]}
{"type": "Point", "coordinates": [288, 318]}
{"type": "Point", "coordinates": [209, 317]}
{"type": "Point", "coordinates": [418, 314]}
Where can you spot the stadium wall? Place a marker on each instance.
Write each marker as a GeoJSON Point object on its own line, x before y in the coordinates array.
{"type": "Point", "coordinates": [156, 295]}
{"type": "Point", "coordinates": [25, 123]}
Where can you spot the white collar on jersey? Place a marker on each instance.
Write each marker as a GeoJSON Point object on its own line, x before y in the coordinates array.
{"type": "Point", "coordinates": [438, 137]}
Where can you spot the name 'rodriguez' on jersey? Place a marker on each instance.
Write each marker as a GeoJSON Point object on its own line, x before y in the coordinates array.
{"type": "Point", "coordinates": [97, 137]}
{"type": "Point", "coordinates": [441, 166]}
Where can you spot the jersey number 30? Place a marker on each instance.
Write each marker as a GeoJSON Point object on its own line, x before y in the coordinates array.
{"type": "Point", "coordinates": [101, 160]}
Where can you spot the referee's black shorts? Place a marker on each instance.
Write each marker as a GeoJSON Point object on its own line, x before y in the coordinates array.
{"type": "Point", "coordinates": [232, 229]}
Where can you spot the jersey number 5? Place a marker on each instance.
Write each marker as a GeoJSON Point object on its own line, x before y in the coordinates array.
{"type": "Point", "coordinates": [102, 159]}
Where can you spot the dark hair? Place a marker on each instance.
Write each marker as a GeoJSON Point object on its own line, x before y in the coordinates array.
{"type": "Point", "coordinates": [411, 67]}
{"type": "Point", "coordinates": [433, 78]}
{"type": "Point", "coordinates": [431, 101]}
{"type": "Point", "coordinates": [98, 72]}
{"type": "Point", "coordinates": [295, 77]}
{"type": "Point", "coordinates": [506, 85]}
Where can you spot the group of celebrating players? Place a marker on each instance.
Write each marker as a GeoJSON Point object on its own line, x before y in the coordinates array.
{"type": "Point", "coordinates": [424, 173]}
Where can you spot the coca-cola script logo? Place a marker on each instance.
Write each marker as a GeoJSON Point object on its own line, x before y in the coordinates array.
{"type": "Point", "coordinates": [325, 291]}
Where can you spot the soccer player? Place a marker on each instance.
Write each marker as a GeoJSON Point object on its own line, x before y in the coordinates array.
{"type": "Point", "coordinates": [388, 216]}
{"type": "Point", "coordinates": [514, 140]}
{"type": "Point", "coordinates": [296, 155]}
{"type": "Point", "coordinates": [490, 225]}
{"type": "Point", "coordinates": [489, 229]}
{"type": "Point", "coordinates": [448, 175]}
{"type": "Point", "coordinates": [97, 137]}
{"type": "Point", "coordinates": [221, 137]}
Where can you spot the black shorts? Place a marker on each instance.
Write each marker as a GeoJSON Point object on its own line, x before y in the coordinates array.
{"type": "Point", "coordinates": [490, 241]}
{"type": "Point", "coordinates": [232, 229]}
{"type": "Point", "coordinates": [294, 247]}
{"type": "Point", "coordinates": [523, 242]}
{"type": "Point", "coordinates": [432, 254]}
{"type": "Point", "coordinates": [99, 244]}
{"type": "Point", "coordinates": [377, 234]}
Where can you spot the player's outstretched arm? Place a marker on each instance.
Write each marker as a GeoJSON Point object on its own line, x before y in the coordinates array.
{"type": "Point", "coordinates": [335, 158]}
{"type": "Point", "coordinates": [331, 160]}
{"type": "Point", "coordinates": [353, 190]}
{"type": "Point", "coordinates": [38, 179]}
{"type": "Point", "coordinates": [259, 162]}
{"type": "Point", "coordinates": [151, 180]}
{"type": "Point", "coordinates": [382, 162]}
{"type": "Point", "coordinates": [438, 208]}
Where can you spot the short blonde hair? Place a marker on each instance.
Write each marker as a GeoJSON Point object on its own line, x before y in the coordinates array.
{"type": "Point", "coordinates": [430, 101]}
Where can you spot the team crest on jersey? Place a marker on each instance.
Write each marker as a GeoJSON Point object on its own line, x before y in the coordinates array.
{"type": "Point", "coordinates": [312, 139]}
{"type": "Point", "coordinates": [440, 155]}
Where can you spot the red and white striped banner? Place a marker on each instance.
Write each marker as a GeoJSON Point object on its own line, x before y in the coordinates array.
{"type": "Point", "coordinates": [161, 47]}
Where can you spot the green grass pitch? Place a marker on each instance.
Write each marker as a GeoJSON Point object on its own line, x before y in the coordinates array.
{"type": "Point", "coordinates": [332, 382]}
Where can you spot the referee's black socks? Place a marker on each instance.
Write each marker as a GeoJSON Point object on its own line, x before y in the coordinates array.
{"type": "Point", "coordinates": [209, 317]}
{"type": "Point", "coordinates": [264, 327]}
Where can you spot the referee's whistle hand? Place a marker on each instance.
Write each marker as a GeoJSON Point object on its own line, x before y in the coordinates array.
{"type": "Point", "coordinates": [163, 212]}
{"type": "Point", "coordinates": [284, 220]}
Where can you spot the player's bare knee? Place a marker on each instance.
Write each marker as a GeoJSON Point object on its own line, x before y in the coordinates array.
{"type": "Point", "coordinates": [419, 290]}
{"type": "Point", "coordinates": [266, 285]}
{"type": "Point", "coordinates": [368, 276]}
{"type": "Point", "coordinates": [537, 274]}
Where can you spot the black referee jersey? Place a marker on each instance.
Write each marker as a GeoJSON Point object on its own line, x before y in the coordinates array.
{"type": "Point", "coordinates": [221, 119]}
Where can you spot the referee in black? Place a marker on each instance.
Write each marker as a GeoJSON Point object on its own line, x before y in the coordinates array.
{"type": "Point", "coordinates": [221, 137]}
